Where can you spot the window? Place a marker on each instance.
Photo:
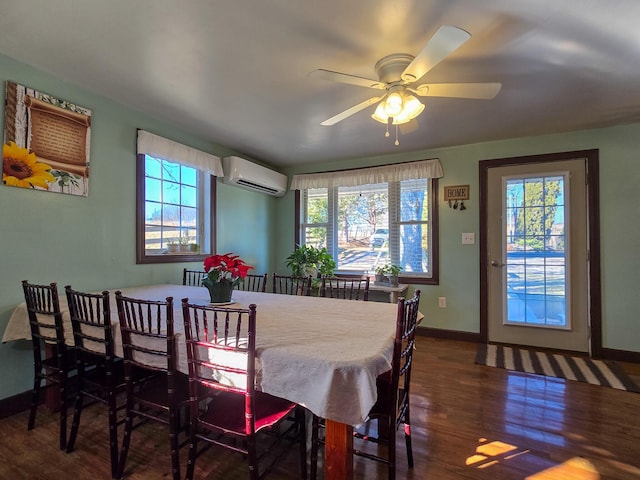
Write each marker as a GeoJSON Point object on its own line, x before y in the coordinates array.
{"type": "Point", "coordinates": [175, 206]}
{"type": "Point", "coordinates": [368, 225]}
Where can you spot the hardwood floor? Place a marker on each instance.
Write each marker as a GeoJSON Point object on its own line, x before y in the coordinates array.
{"type": "Point", "coordinates": [468, 422]}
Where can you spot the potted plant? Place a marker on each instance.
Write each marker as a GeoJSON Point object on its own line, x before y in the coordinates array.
{"type": "Point", "coordinates": [394, 271]}
{"type": "Point", "coordinates": [183, 246]}
{"type": "Point", "coordinates": [380, 274]}
{"type": "Point", "coordinates": [172, 246]}
{"type": "Point", "coordinates": [222, 274]}
{"type": "Point", "coordinates": [388, 273]}
{"type": "Point", "coordinates": [309, 260]}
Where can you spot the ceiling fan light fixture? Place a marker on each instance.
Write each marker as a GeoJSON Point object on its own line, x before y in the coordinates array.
{"type": "Point", "coordinates": [380, 115]}
{"type": "Point", "coordinates": [394, 104]}
{"type": "Point", "coordinates": [412, 108]}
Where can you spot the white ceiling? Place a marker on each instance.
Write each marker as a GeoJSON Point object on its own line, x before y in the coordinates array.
{"type": "Point", "coordinates": [236, 71]}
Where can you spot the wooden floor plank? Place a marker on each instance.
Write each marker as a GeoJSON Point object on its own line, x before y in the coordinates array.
{"type": "Point", "coordinates": [468, 422]}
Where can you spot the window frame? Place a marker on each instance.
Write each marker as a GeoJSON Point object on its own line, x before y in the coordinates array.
{"type": "Point", "coordinates": [434, 279]}
{"type": "Point", "coordinates": [141, 255]}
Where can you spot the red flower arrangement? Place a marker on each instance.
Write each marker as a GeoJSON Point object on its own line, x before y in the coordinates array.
{"type": "Point", "coordinates": [229, 267]}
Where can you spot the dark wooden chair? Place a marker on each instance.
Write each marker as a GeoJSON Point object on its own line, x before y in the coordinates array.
{"type": "Point", "coordinates": [290, 285]}
{"type": "Point", "coordinates": [225, 409]}
{"type": "Point", "coordinates": [392, 406]}
{"type": "Point", "coordinates": [149, 343]}
{"type": "Point", "coordinates": [100, 375]}
{"type": "Point", "coordinates": [50, 371]}
{"type": "Point", "coordinates": [346, 287]}
{"type": "Point", "coordinates": [254, 283]}
{"type": "Point", "coordinates": [192, 277]}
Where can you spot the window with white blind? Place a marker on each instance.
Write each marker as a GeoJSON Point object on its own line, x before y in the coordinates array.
{"type": "Point", "coordinates": [176, 201]}
{"type": "Point", "coordinates": [368, 225]}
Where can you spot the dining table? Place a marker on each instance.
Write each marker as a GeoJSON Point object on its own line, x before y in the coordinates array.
{"type": "Point", "coordinates": [322, 353]}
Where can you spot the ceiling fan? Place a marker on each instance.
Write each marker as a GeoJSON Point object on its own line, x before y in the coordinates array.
{"type": "Point", "coordinates": [397, 74]}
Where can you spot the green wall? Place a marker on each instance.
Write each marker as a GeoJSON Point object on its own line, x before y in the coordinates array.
{"type": "Point", "coordinates": [89, 242]}
{"type": "Point", "coordinates": [459, 264]}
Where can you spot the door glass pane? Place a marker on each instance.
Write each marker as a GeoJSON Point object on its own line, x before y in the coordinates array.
{"type": "Point", "coordinates": [536, 257]}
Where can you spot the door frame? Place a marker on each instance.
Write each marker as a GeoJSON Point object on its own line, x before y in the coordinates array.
{"type": "Point", "coordinates": [593, 236]}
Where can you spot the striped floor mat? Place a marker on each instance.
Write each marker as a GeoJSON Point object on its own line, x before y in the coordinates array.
{"type": "Point", "coordinates": [582, 369]}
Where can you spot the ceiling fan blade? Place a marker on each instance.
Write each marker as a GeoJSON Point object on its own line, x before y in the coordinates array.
{"type": "Point", "coordinates": [346, 78]}
{"type": "Point", "coordinates": [445, 41]}
{"type": "Point", "coordinates": [347, 113]}
{"type": "Point", "coordinates": [480, 91]}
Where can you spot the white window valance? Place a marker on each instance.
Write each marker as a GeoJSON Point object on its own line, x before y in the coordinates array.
{"type": "Point", "coordinates": [371, 175]}
{"type": "Point", "coordinates": [160, 147]}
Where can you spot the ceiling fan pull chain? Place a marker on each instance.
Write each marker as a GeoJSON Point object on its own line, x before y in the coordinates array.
{"type": "Point", "coordinates": [389, 120]}
{"type": "Point", "coordinates": [397, 142]}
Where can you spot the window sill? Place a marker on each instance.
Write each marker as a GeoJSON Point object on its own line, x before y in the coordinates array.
{"type": "Point", "coordinates": [172, 257]}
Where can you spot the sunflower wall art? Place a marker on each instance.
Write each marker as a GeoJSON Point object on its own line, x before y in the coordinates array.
{"type": "Point", "coordinates": [46, 142]}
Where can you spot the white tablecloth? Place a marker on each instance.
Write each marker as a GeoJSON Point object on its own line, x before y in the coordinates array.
{"type": "Point", "coordinates": [322, 353]}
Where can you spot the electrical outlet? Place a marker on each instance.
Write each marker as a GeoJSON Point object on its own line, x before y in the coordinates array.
{"type": "Point", "coordinates": [468, 238]}
{"type": "Point", "coordinates": [442, 302]}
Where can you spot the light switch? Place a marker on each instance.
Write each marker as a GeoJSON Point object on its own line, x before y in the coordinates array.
{"type": "Point", "coordinates": [468, 238]}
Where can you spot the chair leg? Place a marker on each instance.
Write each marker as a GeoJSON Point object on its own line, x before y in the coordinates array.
{"type": "Point", "coordinates": [407, 437]}
{"type": "Point", "coordinates": [302, 438]}
{"type": "Point", "coordinates": [113, 433]}
{"type": "Point", "coordinates": [63, 411]}
{"type": "Point", "coordinates": [126, 439]}
{"type": "Point", "coordinates": [252, 458]}
{"type": "Point", "coordinates": [173, 441]}
{"type": "Point", "coordinates": [35, 397]}
{"type": "Point", "coordinates": [313, 460]}
{"type": "Point", "coordinates": [75, 424]}
{"type": "Point", "coordinates": [391, 442]}
{"type": "Point", "coordinates": [193, 448]}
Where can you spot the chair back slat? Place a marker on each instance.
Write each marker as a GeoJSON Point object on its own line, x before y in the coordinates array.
{"type": "Point", "coordinates": [90, 315]}
{"type": "Point", "coordinates": [43, 308]}
{"type": "Point", "coordinates": [192, 277]}
{"type": "Point", "coordinates": [254, 283]}
{"type": "Point", "coordinates": [346, 287]}
{"type": "Point", "coordinates": [148, 338]}
{"type": "Point", "coordinates": [220, 347]}
{"type": "Point", "coordinates": [290, 285]}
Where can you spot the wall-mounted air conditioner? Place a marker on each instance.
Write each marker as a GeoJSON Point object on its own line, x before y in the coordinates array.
{"type": "Point", "coordinates": [249, 175]}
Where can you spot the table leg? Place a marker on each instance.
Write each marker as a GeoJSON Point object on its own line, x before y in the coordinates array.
{"type": "Point", "coordinates": [338, 463]}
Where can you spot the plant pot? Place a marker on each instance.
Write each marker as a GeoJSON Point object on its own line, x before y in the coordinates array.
{"type": "Point", "coordinates": [219, 292]}
{"type": "Point", "coordinates": [183, 248]}
{"type": "Point", "coordinates": [194, 247]}
{"type": "Point", "coordinates": [172, 247]}
{"type": "Point", "coordinates": [394, 280]}
{"type": "Point", "coordinates": [380, 278]}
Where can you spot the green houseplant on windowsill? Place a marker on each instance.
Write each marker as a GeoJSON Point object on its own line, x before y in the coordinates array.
{"type": "Point", "coordinates": [393, 271]}
{"type": "Point", "coordinates": [308, 260]}
{"type": "Point", "coordinates": [380, 273]}
{"type": "Point", "coordinates": [388, 273]}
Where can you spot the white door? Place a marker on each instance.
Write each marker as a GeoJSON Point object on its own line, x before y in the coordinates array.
{"type": "Point", "coordinates": [537, 254]}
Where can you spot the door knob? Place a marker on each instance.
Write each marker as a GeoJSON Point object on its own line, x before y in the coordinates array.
{"type": "Point", "coordinates": [495, 263]}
